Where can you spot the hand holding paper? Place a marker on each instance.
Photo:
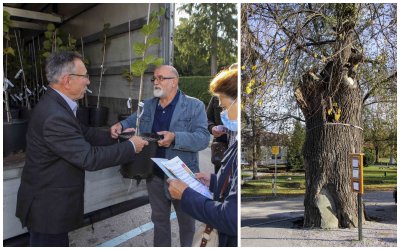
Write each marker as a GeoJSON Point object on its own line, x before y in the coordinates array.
{"type": "Point", "coordinates": [176, 188]}
{"type": "Point", "coordinates": [160, 164]}
{"type": "Point", "coordinates": [205, 178]}
{"type": "Point", "coordinates": [177, 169]}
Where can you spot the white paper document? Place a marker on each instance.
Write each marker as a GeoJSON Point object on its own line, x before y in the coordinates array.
{"type": "Point", "coordinates": [355, 163]}
{"type": "Point", "coordinates": [355, 173]}
{"type": "Point", "coordinates": [160, 163]}
{"type": "Point", "coordinates": [356, 186]}
{"type": "Point", "coordinates": [177, 169]}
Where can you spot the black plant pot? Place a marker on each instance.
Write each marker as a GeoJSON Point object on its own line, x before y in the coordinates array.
{"type": "Point", "coordinates": [142, 166]}
{"type": "Point", "coordinates": [14, 133]}
{"type": "Point", "coordinates": [98, 116]}
{"type": "Point", "coordinates": [83, 115]}
{"type": "Point", "coordinates": [26, 114]}
{"type": "Point", "coordinates": [15, 112]}
{"type": "Point", "coordinates": [122, 117]}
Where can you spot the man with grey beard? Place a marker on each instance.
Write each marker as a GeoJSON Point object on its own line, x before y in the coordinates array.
{"type": "Point", "coordinates": [181, 120]}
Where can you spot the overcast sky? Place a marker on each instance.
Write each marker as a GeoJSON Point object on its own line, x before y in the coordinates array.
{"type": "Point", "coordinates": [179, 14]}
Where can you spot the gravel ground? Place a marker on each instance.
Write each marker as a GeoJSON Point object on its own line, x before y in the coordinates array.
{"type": "Point", "coordinates": [278, 223]}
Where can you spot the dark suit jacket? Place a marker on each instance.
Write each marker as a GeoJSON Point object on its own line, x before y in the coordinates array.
{"type": "Point", "coordinates": [59, 149]}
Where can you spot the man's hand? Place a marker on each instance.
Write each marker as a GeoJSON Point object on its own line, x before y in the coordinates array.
{"type": "Point", "coordinates": [176, 188]}
{"type": "Point", "coordinates": [205, 178]}
{"type": "Point", "coordinates": [139, 143]}
{"type": "Point", "coordinates": [169, 137]}
{"type": "Point", "coordinates": [115, 130]}
{"type": "Point", "coordinates": [129, 130]}
{"type": "Point", "coordinates": [217, 132]}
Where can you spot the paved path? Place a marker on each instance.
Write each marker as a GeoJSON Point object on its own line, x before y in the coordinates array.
{"type": "Point", "coordinates": [132, 228]}
{"type": "Point", "coordinates": [278, 223]}
{"type": "Point", "coordinates": [278, 209]}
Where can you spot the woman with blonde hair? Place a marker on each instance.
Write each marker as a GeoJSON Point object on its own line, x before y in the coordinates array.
{"type": "Point", "coordinates": [221, 212]}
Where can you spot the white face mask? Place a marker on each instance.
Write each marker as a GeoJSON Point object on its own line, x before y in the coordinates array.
{"type": "Point", "coordinates": [232, 125]}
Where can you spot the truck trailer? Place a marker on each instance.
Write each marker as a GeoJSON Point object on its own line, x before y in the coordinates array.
{"type": "Point", "coordinates": [107, 193]}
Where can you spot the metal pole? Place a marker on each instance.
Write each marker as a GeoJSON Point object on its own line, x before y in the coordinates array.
{"type": "Point", "coordinates": [273, 184]}
{"type": "Point", "coordinates": [360, 213]}
{"type": "Point", "coordinates": [8, 111]}
{"type": "Point", "coordinates": [36, 72]}
{"type": "Point", "coordinates": [275, 175]}
{"type": "Point", "coordinates": [28, 104]}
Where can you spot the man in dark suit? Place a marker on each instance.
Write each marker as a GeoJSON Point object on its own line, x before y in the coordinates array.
{"type": "Point", "coordinates": [59, 149]}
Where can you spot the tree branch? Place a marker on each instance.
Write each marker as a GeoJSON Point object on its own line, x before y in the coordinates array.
{"type": "Point", "coordinates": [282, 118]}
{"type": "Point", "coordinates": [382, 101]}
{"type": "Point", "coordinates": [318, 43]}
{"type": "Point", "coordinates": [369, 93]}
{"type": "Point", "coordinates": [292, 36]}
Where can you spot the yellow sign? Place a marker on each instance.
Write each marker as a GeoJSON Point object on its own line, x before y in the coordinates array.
{"type": "Point", "coordinates": [275, 150]}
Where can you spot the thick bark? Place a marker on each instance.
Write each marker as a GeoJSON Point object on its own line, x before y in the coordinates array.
{"type": "Point", "coordinates": [329, 201]}
{"type": "Point", "coordinates": [327, 165]}
{"type": "Point", "coordinates": [376, 154]}
{"type": "Point", "coordinates": [254, 163]}
{"type": "Point", "coordinates": [254, 145]}
{"type": "Point", "coordinates": [214, 41]}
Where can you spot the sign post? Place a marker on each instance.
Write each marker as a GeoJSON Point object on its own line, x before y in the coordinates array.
{"type": "Point", "coordinates": [357, 184]}
{"type": "Point", "coordinates": [275, 152]}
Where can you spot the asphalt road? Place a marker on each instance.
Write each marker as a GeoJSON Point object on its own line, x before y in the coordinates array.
{"type": "Point", "coordinates": [132, 228]}
{"type": "Point", "coordinates": [280, 209]}
{"type": "Point", "coordinates": [278, 222]}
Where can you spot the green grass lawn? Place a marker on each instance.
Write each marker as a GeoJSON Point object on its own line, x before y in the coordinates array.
{"type": "Point", "coordinates": [380, 178]}
{"type": "Point", "coordinates": [384, 160]}
{"type": "Point", "coordinates": [294, 183]}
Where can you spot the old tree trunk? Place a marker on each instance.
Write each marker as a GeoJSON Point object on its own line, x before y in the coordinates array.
{"type": "Point", "coordinates": [329, 200]}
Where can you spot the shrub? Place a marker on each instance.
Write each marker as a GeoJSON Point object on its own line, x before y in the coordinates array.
{"type": "Point", "coordinates": [369, 157]}
{"type": "Point", "coordinates": [297, 185]}
{"type": "Point", "coordinates": [295, 154]}
{"type": "Point", "coordinates": [196, 86]}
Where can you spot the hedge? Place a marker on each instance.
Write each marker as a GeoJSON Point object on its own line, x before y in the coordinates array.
{"type": "Point", "coordinates": [196, 86]}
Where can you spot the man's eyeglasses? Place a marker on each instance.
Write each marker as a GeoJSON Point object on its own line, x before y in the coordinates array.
{"type": "Point", "coordinates": [85, 75]}
{"type": "Point", "coordinates": [160, 78]}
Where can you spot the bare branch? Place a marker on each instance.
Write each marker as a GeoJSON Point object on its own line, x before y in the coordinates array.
{"type": "Point", "coordinates": [369, 93]}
